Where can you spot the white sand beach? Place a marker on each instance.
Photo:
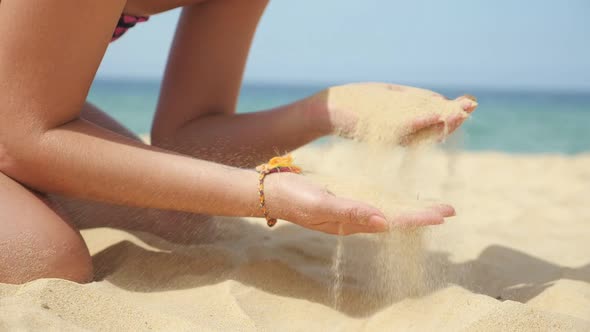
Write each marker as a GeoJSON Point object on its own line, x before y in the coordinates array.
{"type": "Point", "coordinates": [515, 258]}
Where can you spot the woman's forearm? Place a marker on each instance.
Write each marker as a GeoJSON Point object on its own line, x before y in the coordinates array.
{"type": "Point", "coordinates": [82, 160]}
{"type": "Point", "coordinates": [195, 113]}
{"type": "Point", "coordinates": [248, 139]}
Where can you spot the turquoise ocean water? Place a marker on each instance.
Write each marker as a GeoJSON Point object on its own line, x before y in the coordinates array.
{"type": "Point", "coordinates": [508, 121]}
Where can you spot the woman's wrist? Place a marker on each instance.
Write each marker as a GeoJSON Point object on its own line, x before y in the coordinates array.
{"type": "Point", "coordinates": [278, 194]}
{"type": "Point", "coordinates": [247, 186]}
{"type": "Point", "coordinates": [273, 191]}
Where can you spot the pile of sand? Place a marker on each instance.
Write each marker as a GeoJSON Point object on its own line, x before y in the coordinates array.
{"type": "Point", "coordinates": [515, 258]}
{"type": "Point", "coordinates": [387, 113]}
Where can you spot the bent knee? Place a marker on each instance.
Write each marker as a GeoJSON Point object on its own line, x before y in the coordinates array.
{"type": "Point", "coordinates": [72, 262]}
{"type": "Point", "coordinates": [35, 242]}
{"type": "Point", "coordinates": [20, 264]}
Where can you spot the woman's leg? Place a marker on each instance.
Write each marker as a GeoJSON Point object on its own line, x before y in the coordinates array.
{"type": "Point", "coordinates": [39, 236]}
{"type": "Point", "coordinates": [38, 233]}
{"type": "Point", "coordinates": [35, 241]}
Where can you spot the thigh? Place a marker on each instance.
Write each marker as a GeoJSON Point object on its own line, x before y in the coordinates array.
{"type": "Point", "coordinates": [35, 241]}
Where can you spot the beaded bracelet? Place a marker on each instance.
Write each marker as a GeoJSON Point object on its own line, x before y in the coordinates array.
{"type": "Point", "coordinates": [275, 165]}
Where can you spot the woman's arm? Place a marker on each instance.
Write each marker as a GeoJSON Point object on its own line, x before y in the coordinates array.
{"type": "Point", "coordinates": [246, 140]}
{"type": "Point", "coordinates": [49, 54]}
{"type": "Point", "coordinates": [196, 111]}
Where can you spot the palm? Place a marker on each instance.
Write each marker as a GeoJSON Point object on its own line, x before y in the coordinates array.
{"type": "Point", "coordinates": [409, 110]}
{"type": "Point", "coordinates": [311, 206]}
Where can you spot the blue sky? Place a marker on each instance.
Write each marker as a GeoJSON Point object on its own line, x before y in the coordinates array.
{"type": "Point", "coordinates": [502, 43]}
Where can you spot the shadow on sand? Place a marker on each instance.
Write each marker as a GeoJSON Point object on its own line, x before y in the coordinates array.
{"type": "Point", "coordinates": [500, 272]}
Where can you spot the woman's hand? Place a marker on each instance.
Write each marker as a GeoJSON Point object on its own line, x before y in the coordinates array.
{"type": "Point", "coordinates": [294, 198]}
{"type": "Point", "coordinates": [411, 113]}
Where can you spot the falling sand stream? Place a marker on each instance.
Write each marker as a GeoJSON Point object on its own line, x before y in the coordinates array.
{"type": "Point", "coordinates": [392, 265]}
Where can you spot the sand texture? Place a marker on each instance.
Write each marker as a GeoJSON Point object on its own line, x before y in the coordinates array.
{"type": "Point", "coordinates": [386, 113]}
{"type": "Point", "coordinates": [516, 258]}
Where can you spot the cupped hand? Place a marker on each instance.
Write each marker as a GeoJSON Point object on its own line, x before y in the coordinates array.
{"type": "Point", "coordinates": [294, 198]}
{"type": "Point", "coordinates": [415, 113]}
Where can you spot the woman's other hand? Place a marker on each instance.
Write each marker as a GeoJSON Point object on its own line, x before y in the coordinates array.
{"type": "Point", "coordinates": [343, 106]}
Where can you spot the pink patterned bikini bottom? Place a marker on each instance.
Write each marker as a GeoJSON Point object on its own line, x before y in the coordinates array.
{"type": "Point", "coordinates": [125, 23]}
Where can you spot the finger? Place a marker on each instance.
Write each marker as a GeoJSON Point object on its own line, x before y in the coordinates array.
{"type": "Point", "coordinates": [434, 131]}
{"type": "Point", "coordinates": [328, 228]}
{"type": "Point", "coordinates": [347, 211]}
{"type": "Point", "coordinates": [468, 103]}
{"type": "Point", "coordinates": [454, 122]}
{"type": "Point", "coordinates": [444, 210]}
{"type": "Point", "coordinates": [425, 122]}
{"type": "Point", "coordinates": [349, 229]}
{"type": "Point", "coordinates": [346, 229]}
{"type": "Point", "coordinates": [417, 218]}
{"type": "Point", "coordinates": [433, 215]}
